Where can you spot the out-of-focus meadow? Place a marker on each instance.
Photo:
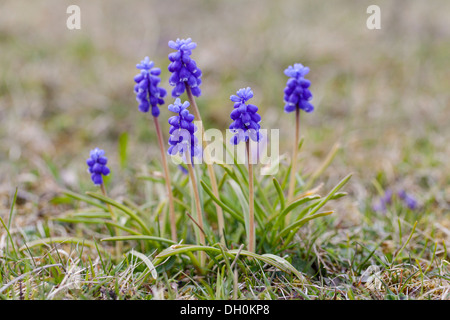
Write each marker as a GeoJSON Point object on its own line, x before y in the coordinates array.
{"type": "Point", "coordinates": [383, 95]}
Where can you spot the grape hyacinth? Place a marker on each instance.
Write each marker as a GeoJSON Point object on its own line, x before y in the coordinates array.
{"type": "Point", "coordinates": [245, 117]}
{"type": "Point", "coordinates": [182, 129]}
{"type": "Point", "coordinates": [148, 94]}
{"type": "Point", "coordinates": [384, 201]}
{"type": "Point", "coordinates": [184, 69]}
{"type": "Point", "coordinates": [296, 93]}
{"type": "Point", "coordinates": [408, 199]}
{"type": "Point", "coordinates": [97, 166]}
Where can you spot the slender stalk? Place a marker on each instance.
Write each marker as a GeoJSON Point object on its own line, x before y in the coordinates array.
{"type": "Point", "coordinates": [197, 204]}
{"type": "Point", "coordinates": [211, 172]}
{"type": "Point", "coordinates": [292, 181]}
{"type": "Point", "coordinates": [251, 202]}
{"type": "Point", "coordinates": [173, 221]}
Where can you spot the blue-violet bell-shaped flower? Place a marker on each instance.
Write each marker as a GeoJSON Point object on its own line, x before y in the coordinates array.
{"type": "Point", "coordinates": [182, 130]}
{"type": "Point", "coordinates": [148, 94]}
{"type": "Point", "coordinates": [97, 165]}
{"type": "Point", "coordinates": [245, 117]}
{"type": "Point", "coordinates": [296, 93]}
{"type": "Point", "coordinates": [184, 69]}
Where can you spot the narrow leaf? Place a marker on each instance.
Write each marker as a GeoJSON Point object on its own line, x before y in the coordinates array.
{"type": "Point", "coordinates": [121, 207]}
{"type": "Point", "coordinates": [147, 262]}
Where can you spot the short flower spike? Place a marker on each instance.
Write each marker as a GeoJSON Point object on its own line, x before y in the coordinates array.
{"type": "Point", "coordinates": [148, 94]}
{"type": "Point", "coordinates": [184, 69]}
{"type": "Point", "coordinates": [245, 117]}
{"type": "Point", "coordinates": [97, 166]}
{"type": "Point", "coordinates": [182, 131]}
{"type": "Point", "coordinates": [296, 93]}
{"type": "Point", "coordinates": [408, 199]}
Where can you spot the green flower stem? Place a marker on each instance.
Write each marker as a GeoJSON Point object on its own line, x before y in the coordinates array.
{"type": "Point", "coordinates": [201, 235]}
{"type": "Point", "coordinates": [251, 202]}
{"type": "Point", "coordinates": [211, 173]}
{"type": "Point", "coordinates": [292, 181]}
{"type": "Point", "coordinates": [173, 221]}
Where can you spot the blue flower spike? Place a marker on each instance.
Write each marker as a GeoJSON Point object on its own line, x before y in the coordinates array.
{"type": "Point", "coordinates": [297, 93]}
{"type": "Point", "coordinates": [246, 126]}
{"type": "Point", "coordinates": [245, 117]}
{"type": "Point", "coordinates": [97, 166]}
{"type": "Point", "coordinates": [148, 94]}
{"type": "Point", "coordinates": [183, 68]}
{"type": "Point", "coordinates": [182, 130]}
{"type": "Point", "coordinates": [406, 199]}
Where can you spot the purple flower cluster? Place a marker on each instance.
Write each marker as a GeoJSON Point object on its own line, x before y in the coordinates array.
{"type": "Point", "coordinates": [296, 93]}
{"type": "Point", "coordinates": [386, 199]}
{"type": "Point", "coordinates": [147, 91]}
{"type": "Point", "coordinates": [182, 131]}
{"type": "Point", "coordinates": [245, 117]}
{"type": "Point", "coordinates": [183, 67]}
{"type": "Point", "coordinates": [97, 166]}
{"type": "Point", "coordinates": [408, 199]}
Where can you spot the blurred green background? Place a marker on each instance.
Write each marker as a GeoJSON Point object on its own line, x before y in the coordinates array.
{"type": "Point", "coordinates": [382, 94]}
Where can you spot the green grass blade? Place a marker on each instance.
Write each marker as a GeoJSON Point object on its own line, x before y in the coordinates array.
{"type": "Point", "coordinates": [220, 203]}
{"type": "Point", "coordinates": [295, 204]}
{"type": "Point", "coordinates": [84, 199]}
{"type": "Point", "coordinates": [405, 244]}
{"type": "Point", "coordinates": [9, 236]}
{"type": "Point", "coordinates": [98, 222]}
{"type": "Point", "coordinates": [272, 260]}
{"type": "Point", "coordinates": [48, 241]}
{"type": "Point", "coordinates": [138, 237]}
{"type": "Point", "coordinates": [263, 196]}
{"type": "Point", "coordinates": [121, 207]}
{"type": "Point", "coordinates": [123, 146]}
{"type": "Point", "coordinates": [330, 194]}
{"type": "Point", "coordinates": [244, 204]}
{"type": "Point", "coordinates": [280, 193]}
{"type": "Point", "coordinates": [301, 222]}
{"type": "Point", "coordinates": [325, 164]}
{"type": "Point", "coordinates": [147, 262]}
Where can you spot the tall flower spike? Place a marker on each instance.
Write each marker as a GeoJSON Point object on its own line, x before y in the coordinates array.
{"type": "Point", "coordinates": [245, 117]}
{"type": "Point", "coordinates": [184, 69]}
{"type": "Point", "coordinates": [148, 94]}
{"type": "Point", "coordinates": [296, 93]}
{"type": "Point", "coordinates": [246, 124]}
{"type": "Point", "coordinates": [97, 166]}
{"type": "Point", "coordinates": [296, 97]}
{"type": "Point", "coordinates": [182, 131]}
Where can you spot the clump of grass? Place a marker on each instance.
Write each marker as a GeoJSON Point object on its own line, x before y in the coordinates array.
{"type": "Point", "coordinates": [297, 254]}
{"type": "Point", "coordinates": [257, 210]}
